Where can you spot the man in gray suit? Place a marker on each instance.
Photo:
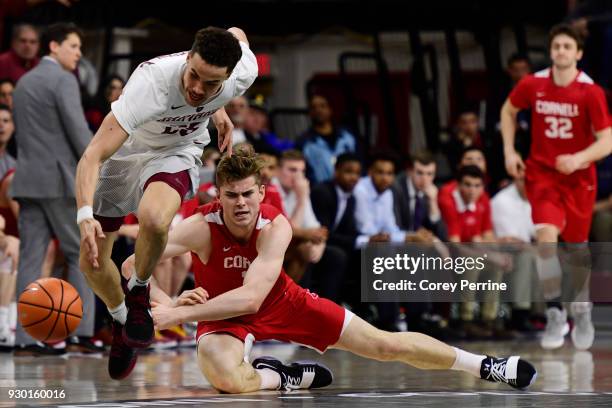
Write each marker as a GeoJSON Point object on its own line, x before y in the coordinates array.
{"type": "Point", "coordinates": [53, 134]}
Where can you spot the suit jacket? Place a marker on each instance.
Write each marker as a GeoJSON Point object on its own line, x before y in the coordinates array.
{"type": "Point", "coordinates": [404, 215]}
{"type": "Point", "coordinates": [325, 205]}
{"type": "Point", "coordinates": [53, 133]}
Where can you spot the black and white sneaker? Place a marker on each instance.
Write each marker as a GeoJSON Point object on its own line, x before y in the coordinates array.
{"type": "Point", "coordinates": [298, 375]}
{"type": "Point", "coordinates": [513, 371]}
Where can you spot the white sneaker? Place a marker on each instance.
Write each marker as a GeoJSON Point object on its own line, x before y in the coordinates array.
{"type": "Point", "coordinates": [583, 332]}
{"type": "Point", "coordinates": [7, 339]}
{"type": "Point", "coordinates": [556, 328]}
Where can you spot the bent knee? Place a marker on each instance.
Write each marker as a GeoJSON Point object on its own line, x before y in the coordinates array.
{"type": "Point", "coordinates": [154, 221]}
{"type": "Point", "coordinates": [227, 384]}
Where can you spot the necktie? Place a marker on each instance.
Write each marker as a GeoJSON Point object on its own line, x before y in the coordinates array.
{"type": "Point", "coordinates": [419, 212]}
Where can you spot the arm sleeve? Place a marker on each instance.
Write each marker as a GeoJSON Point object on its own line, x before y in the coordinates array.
{"type": "Point", "coordinates": [520, 95]}
{"type": "Point", "coordinates": [71, 113]}
{"type": "Point", "coordinates": [598, 109]}
{"type": "Point", "coordinates": [245, 72]}
{"type": "Point", "coordinates": [144, 98]}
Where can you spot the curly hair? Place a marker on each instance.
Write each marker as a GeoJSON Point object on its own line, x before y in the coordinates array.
{"type": "Point", "coordinates": [243, 163]}
{"type": "Point", "coordinates": [217, 47]}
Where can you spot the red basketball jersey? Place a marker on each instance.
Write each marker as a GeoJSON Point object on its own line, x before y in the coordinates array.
{"type": "Point", "coordinates": [230, 259]}
{"type": "Point", "coordinates": [564, 119]}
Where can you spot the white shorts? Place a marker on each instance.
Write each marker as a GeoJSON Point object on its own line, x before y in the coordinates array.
{"type": "Point", "coordinates": [123, 176]}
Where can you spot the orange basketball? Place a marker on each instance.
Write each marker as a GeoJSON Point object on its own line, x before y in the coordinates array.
{"type": "Point", "coordinates": [50, 309]}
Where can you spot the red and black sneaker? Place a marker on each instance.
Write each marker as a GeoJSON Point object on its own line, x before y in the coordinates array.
{"type": "Point", "coordinates": [138, 330]}
{"type": "Point", "coordinates": [122, 357]}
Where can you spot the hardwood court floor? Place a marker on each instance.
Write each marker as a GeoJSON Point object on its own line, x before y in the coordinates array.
{"type": "Point", "coordinates": [567, 378]}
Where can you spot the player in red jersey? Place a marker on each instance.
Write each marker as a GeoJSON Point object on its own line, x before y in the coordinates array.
{"type": "Point", "coordinates": [571, 130]}
{"type": "Point", "coordinates": [243, 294]}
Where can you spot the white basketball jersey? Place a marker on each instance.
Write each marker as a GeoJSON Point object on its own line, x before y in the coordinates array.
{"type": "Point", "coordinates": [153, 110]}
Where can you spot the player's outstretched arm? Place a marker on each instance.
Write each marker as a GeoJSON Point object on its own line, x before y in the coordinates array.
{"type": "Point", "coordinates": [107, 141]}
{"type": "Point", "coordinates": [239, 34]}
{"type": "Point", "coordinates": [247, 299]}
{"type": "Point", "coordinates": [514, 163]}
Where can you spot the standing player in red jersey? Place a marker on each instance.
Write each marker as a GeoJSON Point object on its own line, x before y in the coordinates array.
{"type": "Point", "coordinates": [243, 294]}
{"type": "Point", "coordinates": [568, 110]}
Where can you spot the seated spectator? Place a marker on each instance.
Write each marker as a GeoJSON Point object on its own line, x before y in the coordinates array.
{"type": "Point", "coordinates": [23, 55]}
{"type": "Point", "coordinates": [257, 130]}
{"type": "Point", "coordinates": [466, 134]}
{"type": "Point", "coordinates": [6, 92]}
{"type": "Point", "coordinates": [472, 156]}
{"type": "Point", "coordinates": [512, 223]}
{"type": "Point", "coordinates": [108, 92]}
{"type": "Point", "coordinates": [374, 212]}
{"type": "Point", "coordinates": [416, 197]}
{"type": "Point", "coordinates": [468, 219]}
{"type": "Point", "coordinates": [237, 110]}
{"type": "Point", "coordinates": [269, 171]}
{"type": "Point", "coordinates": [324, 141]}
{"type": "Point", "coordinates": [309, 237]}
{"type": "Point", "coordinates": [334, 205]}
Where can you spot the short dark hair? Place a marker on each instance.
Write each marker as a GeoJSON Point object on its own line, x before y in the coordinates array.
{"type": "Point", "coordinates": [383, 155]}
{"type": "Point", "coordinates": [470, 149]}
{"type": "Point", "coordinates": [291, 155]}
{"type": "Point", "coordinates": [3, 107]}
{"type": "Point", "coordinates": [18, 28]}
{"type": "Point", "coordinates": [424, 157]}
{"type": "Point", "coordinates": [516, 57]}
{"type": "Point", "coordinates": [568, 30]}
{"type": "Point", "coordinates": [346, 158]}
{"type": "Point", "coordinates": [469, 171]}
{"type": "Point", "coordinates": [58, 32]}
{"type": "Point", "coordinates": [217, 47]}
{"type": "Point", "coordinates": [7, 81]}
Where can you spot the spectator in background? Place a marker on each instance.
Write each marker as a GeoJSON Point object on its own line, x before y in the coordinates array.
{"type": "Point", "coordinates": [416, 197]}
{"type": "Point", "coordinates": [324, 141]}
{"type": "Point", "coordinates": [518, 66]}
{"type": "Point", "coordinates": [309, 237]}
{"type": "Point", "coordinates": [53, 134]}
{"type": "Point", "coordinates": [269, 171]}
{"type": "Point", "coordinates": [237, 110]}
{"type": "Point", "coordinates": [467, 134]}
{"type": "Point", "coordinates": [108, 92]}
{"type": "Point", "coordinates": [9, 242]}
{"type": "Point", "coordinates": [512, 224]}
{"type": "Point", "coordinates": [334, 205]}
{"type": "Point", "coordinates": [257, 129]}
{"type": "Point", "coordinates": [468, 219]}
{"type": "Point", "coordinates": [23, 55]}
{"type": "Point", "coordinates": [6, 92]}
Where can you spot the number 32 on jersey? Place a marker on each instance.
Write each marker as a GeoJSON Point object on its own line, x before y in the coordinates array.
{"type": "Point", "coordinates": [558, 127]}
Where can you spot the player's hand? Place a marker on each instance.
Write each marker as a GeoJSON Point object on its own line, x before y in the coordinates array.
{"type": "Point", "coordinates": [164, 317]}
{"type": "Point", "coordinates": [224, 130]}
{"type": "Point", "coordinates": [431, 192]}
{"type": "Point", "coordinates": [90, 231]}
{"type": "Point", "coordinates": [514, 164]}
{"type": "Point", "coordinates": [192, 297]}
{"type": "Point", "coordinates": [569, 163]}
{"type": "Point", "coordinates": [380, 237]}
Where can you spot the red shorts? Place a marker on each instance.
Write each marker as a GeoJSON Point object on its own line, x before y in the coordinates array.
{"type": "Point", "coordinates": [564, 201]}
{"type": "Point", "coordinates": [298, 317]}
{"type": "Point", "coordinates": [180, 181]}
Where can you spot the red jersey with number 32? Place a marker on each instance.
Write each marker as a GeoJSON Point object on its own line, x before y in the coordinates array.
{"type": "Point", "coordinates": [230, 259]}
{"type": "Point", "coordinates": [564, 119]}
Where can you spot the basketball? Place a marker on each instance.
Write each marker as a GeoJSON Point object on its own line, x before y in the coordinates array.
{"type": "Point", "coordinates": [50, 309]}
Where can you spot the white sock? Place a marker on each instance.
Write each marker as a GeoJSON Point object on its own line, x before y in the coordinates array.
{"type": "Point", "coordinates": [134, 281]}
{"type": "Point", "coordinates": [119, 313]}
{"type": "Point", "coordinates": [468, 362]}
{"type": "Point", "coordinates": [270, 379]}
{"type": "Point", "coordinates": [4, 314]}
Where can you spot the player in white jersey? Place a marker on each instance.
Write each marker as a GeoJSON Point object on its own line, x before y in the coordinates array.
{"type": "Point", "coordinates": [145, 159]}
